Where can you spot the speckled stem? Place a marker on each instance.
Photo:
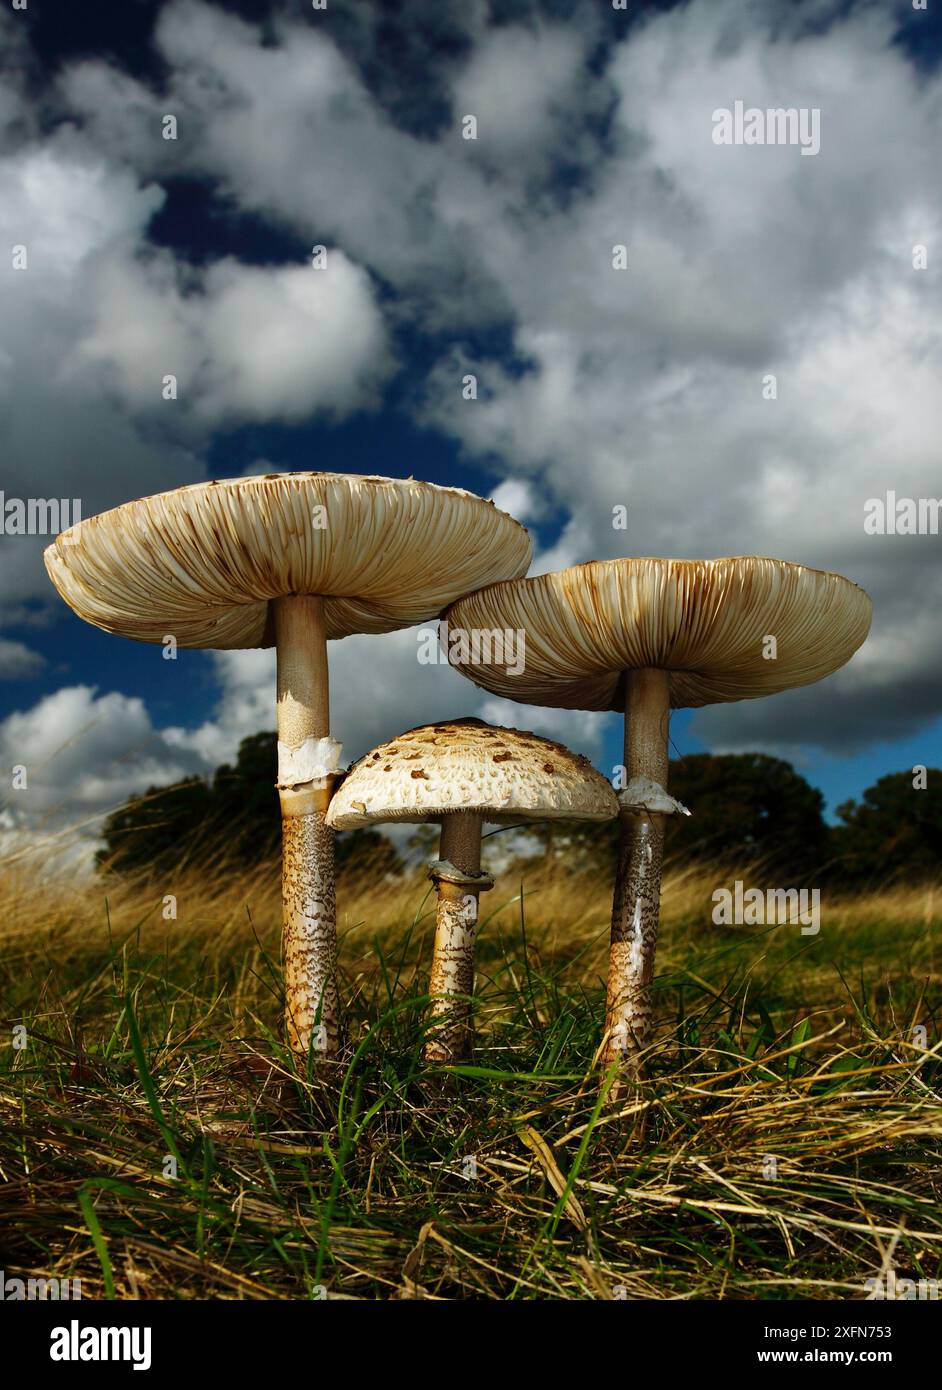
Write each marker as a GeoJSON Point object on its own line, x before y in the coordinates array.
{"type": "Point", "coordinates": [636, 903]}
{"type": "Point", "coordinates": [309, 946]}
{"type": "Point", "coordinates": [449, 1038]}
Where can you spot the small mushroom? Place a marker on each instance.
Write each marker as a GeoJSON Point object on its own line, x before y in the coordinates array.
{"type": "Point", "coordinates": [640, 636]}
{"type": "Point", "coordinates": [289, 560]}
{"type": "Point", "coordinates": [462, 774]}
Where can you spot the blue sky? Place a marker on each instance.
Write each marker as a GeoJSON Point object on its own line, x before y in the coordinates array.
{"type": "Point", "coordinates": [343, 128]}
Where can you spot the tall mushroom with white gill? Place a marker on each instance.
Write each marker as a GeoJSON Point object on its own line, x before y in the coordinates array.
{"type": "Point", "coordinates": [641, 636]}
{"type": "Point", "coordinates": [461, 774]}
{"type": "Point", "coordinates": [289, 560]}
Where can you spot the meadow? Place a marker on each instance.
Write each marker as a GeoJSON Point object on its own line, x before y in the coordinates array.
{"type": "Point", "coordinates": [157, 1140]}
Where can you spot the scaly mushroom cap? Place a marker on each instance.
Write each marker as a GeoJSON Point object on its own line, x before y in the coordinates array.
{"type": "Point", "coordinates": [202, 562]}
{"type": "Point", "coordinates": [705, 621]}
{"type": "Point", "coordinates": [465, 765]}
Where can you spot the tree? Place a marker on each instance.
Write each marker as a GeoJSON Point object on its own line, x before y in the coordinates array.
{"type": "Point", "coordinates": [893, 832]}
{"type": "Point", "coordinates": [234, 817]}
{"type": "Point", "coordinates": [157, 828]}
{"type": "Point", "coordinates": [745, 808]}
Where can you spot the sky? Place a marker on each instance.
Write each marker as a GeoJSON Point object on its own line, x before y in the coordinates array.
{"type": "Point", "coordinates": [644, 387]}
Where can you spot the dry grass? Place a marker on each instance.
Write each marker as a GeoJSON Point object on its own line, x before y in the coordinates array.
{"type": "Point", "coordinates": [510, 1178]}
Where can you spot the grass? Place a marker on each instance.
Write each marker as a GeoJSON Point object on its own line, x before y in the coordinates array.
{"type": "Point", "coordinates": [785, 1144]}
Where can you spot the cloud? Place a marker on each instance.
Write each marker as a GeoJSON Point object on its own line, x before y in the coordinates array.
{"type": "Point", "coordinates": [86, 753]}
{"type": "Point", "coordinates": [17, 117]}
{"type": "Point", "coordinates": [100, 315]}
{"type": "Point", "coordinates": [77, 216]}
{"type": "Point", "coordinates": [17, 661]}
{"type": "Point", "coordinates": [519, 497]}
{"type": "Point", "coordinates": [253, 110]}
{"type": "Point", "coordinates": [378, 688]}
{"type": "Point", "coordinates": [643, 388]}
{"type": "Point", "coordinates": [578, 729]}
{"type": "Point", "coordinates": [526, 86]}
{"type": "Point", "coordinates": [600, 388]}
{"type": "Point", "coordinates": [258, 114]}
{"type": "Point", "coordinates": [245, 343]}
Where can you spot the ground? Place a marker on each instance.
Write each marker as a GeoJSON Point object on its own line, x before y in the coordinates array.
{"type": "Point", "coordinates": [156, 1140]}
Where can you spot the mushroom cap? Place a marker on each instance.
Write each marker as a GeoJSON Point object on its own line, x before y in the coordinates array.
{"type": "Point", "coordinates": [466, 765]}
{"type": "Point", "coordinates": [704, 621]}
{"type": "Point", "coordinates": [202, 562]}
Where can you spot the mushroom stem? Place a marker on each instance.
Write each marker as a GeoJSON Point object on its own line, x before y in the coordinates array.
{"type": "Point", "coordinates": [310, 915]}
{"type": "Point", "coordinates": [452, 978]}
{"type": "Point", "coordinates": [637, 895]}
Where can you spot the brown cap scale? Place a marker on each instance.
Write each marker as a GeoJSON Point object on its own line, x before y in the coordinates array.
{"type": "Point", "coordinates": [461, 774]}
{"type": "Point", "coordinates": [641, 636]}
{"type": "Point", "coordinates": [289, 560]}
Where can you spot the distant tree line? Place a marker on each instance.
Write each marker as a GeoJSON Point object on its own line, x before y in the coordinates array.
{"type": "Point", "coordinates": [231, 818]}
{"type": "Point", "coordinates": [748, 809]}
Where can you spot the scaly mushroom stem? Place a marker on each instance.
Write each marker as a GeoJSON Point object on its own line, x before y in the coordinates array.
{"type": "Point", "coordinates": [310, 914]}
{"type": "Point", "coordinates": [637, 896]}
{"type": "Point", "coordinates": [458, 882]}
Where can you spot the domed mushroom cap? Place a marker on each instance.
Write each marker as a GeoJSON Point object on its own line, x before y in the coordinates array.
{"type": "Point", "coordinates": [704, 621]}
{"type": "Point", "coordinates": [466, 765]}
{"type": "Point", "coordinates": [202, 562]}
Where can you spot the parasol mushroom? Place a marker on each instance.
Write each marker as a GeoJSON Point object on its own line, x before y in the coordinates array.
{"type": "Point", "coordinates": [462, 774]}
{"type": "Point", "coordinates": [640, 636]}
{"type": "Point", "coordinates": [288, 560]}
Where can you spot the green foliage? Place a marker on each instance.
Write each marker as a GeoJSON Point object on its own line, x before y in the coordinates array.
{"type": "Point", "coordinates": [745, 808]}
{"type": "Point", "coordinates": [749, 809]}
{"type": "Point", "coordinates": [894, 832]}
{"type": "Point", "coordinates": [157, 828]}
{"type": "Point", "coordinates": [233, 817]}
{"type": "Point", "coordinates": [784, 1119]}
